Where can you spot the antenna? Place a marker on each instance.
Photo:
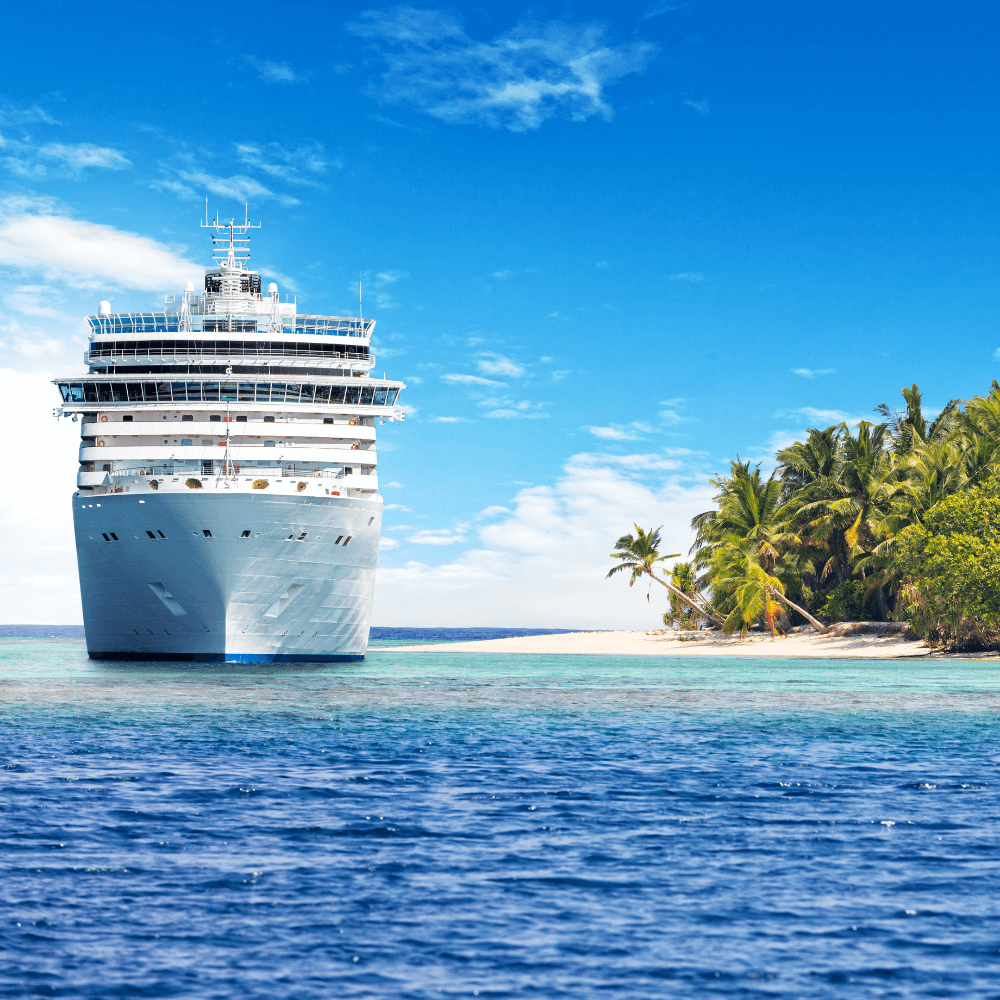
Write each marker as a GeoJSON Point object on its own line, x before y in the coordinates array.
{"type": "Point", "coordinates": [361, 311]}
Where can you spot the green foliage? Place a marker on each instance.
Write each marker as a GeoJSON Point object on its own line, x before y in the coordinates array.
{"type": "Point", "coordinates": [845, 602]}
{"type": "Point", "coordinates": [865, 520]}
{"type": "Point", "coordinates": [951, 564]}
{"type": "Point", "coordinates": [683, 579]}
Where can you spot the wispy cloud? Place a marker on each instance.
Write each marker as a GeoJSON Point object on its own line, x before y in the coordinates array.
{"type": "Point", "coordinates": [457, 379]}
{"type": "Point", "coordinates": [620, 432]}
{"type": "Point", "coordinates": [820, 418]}
{"type": "Point", "coordinates": [507, 409]}
{"type": "Point", "coordinates": [450, 420]}
{"type": "Point", "coordinates": [700, 106]}
{"type": "Point", "coordinates": [496, 364]}
{"type": "Point", "coordinates": [85, 154]}
{"type": "Point", "coordinates": [194, 183]}
{"type": "Point", "coordinates": [274, 72]}
{"type": "Point", "coordinates": [301, 165]}
{"type": "Point", "coordinates": [20, 114]}
{"type": "Point", "coordinates": [813, 372]}
{"type": "Point", "coordinates": [438, 536]}
{"type": "Point", "coordinates": [517, 80]}
{"type": "Point", "coordinates": [689, 276]}
{"type": "Point", "coordinates": [379, 285]}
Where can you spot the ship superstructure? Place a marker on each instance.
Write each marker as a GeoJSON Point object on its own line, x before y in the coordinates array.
{"type": "Point", "coordinates": [227, 503]}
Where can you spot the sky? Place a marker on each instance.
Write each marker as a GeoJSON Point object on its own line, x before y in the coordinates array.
{"type": "Point", "coordinates": [609, 248]}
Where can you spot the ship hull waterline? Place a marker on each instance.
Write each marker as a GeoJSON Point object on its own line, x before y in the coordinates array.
{"type": "Point", "coordinates": [217, 575]}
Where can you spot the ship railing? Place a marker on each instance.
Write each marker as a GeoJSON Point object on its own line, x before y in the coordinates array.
{"type": "Point", "coordinates": [347, 351]}
{"type": "Point", "coordinates": [234, 468]}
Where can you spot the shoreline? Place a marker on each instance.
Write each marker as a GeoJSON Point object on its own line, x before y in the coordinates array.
{"type": "Point", "coordinates": [668, 642]}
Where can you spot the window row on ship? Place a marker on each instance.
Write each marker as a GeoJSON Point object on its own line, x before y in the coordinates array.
{"type": "Point", "coordinates": [227, 392]}
{"type": "Point", "coordinates": [227, 348]}
{"type": "Point", "coordinates": [323, 326]}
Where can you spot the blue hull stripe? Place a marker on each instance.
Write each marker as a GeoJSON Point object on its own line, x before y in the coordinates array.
{"type": "Point", "coordinates": [231, 657]}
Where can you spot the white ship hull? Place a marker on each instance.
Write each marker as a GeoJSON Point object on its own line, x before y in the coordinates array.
{"type": "Point", "coordinates": [287, 591]}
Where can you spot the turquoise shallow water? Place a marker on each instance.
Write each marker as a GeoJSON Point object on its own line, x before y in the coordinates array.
{"type": "Point", "coordinates": [440, 824]}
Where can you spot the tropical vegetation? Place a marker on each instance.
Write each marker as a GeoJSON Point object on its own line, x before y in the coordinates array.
{"type": "Point", "coordinates": [893, 518]}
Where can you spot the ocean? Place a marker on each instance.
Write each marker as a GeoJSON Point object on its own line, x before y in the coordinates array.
{"type": "Point", "coordinates": [452, 825]}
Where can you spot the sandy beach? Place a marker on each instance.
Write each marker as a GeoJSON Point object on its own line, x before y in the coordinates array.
{"type": "Point", "coordinates": [667, 642]}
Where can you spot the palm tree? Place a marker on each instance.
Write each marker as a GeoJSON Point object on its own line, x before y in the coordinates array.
{"type": "Point", "coordinates": [807, 464]}
{"type": "Point", "coordinates": [682, 577]}
{"type": "Point", "coordinates": [640, 554]}
{"type": "Point", "coordinates": [867, 491]}
{"type": "Point", "coordinates": [910, 429]}
{"type": "Point", "coordinates": [754, 593]}
{"type": "Point", "coordinates": [749, 508]}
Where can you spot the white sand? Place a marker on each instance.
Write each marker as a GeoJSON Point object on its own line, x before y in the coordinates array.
{"type": "Point", "coordinates": [804, 643]}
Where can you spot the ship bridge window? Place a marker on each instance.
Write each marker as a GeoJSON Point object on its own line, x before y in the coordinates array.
{"type": "Point", "coordinates": [215, 418]}
{"type": "Point", "coordinates": [241, 420]}
{"type": "Point", "coordinates": [127, 418]}
{"type": "Point", "coordinates": [244, 392]}
{"type": "Point", "coordinates": [268, 420]}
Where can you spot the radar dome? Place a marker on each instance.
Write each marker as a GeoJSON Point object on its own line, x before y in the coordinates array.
{"type": "Point", "coordinates": [105, 308]}
{"type": "Point", "coordinates": [272, 289]}
{"type": "Point", "coordinates": [189, 287]}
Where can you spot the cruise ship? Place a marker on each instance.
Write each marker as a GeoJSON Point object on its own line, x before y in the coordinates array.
{"type": "Point", "coordinates": [227, 503]}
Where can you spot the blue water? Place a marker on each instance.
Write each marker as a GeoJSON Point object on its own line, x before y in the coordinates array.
{"type": "Point", "coordinates": [446, 825]}
{"type": "Point", "coordinates": [377, 633]}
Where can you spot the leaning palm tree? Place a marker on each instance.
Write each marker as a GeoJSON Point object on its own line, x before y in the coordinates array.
{"type": "Point", "coordinates": [640, 555]}
{"type": "Point", "coordinates": [753, 592]}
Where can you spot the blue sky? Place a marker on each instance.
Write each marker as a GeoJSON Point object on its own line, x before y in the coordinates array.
{"type": "Point", "coordinates": [608, 247]}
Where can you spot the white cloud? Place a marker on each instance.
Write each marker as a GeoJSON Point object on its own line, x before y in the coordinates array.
{"type": "Point", "coordinates": [11, 114]}
{"type": "Point", "coordinates": [496, 364]}
{"type": "Point", "coordinates": [84, 154]}
{"type": "Point", "coordinates": [620, 432]}
{"type": "Point", "coordinates": [393, 486]}
{"type": "Point", "coordinates": [397, 506]}
{"type": "Point", "coordinates": [36, 526]}
{"type": "Point", "coordinates": [437, 536]}
{"type": "Point", "coordinates": [388, 543]}
{"type": "Point", "coordinates": [516, 80]}
{"type": "Point", "coordinates": [469, 380]}
{"type": "Point", "coordinates": [450, 420]}
{"type": "Point", "coordinates": [689, 276]}
{"type": "Point", "coordinates": [507, 409]}
{"type": "Point", "coordinates": [700, 106]}
{"type": "Point", "coordinates": [274, 72]}
{"type": "Point", "coordinates": [87, 254]}
{"type": "Point", "coordinates": [813, 372]}
{"type": "Point", "coordinates": [603, 263]}
{"type": "Point", "coordinates": [379, 283]}
{"type": "Point", "coordinates": [300, 165]}
{"type": "Point", "coordinates": [545, 563]}
{"type": "Point", "coordinates": [504, 274]}
{"type": "Point", "coordinates": [239, 187]}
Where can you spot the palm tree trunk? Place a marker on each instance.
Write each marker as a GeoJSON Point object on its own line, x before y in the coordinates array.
{"type": "Point", "coordinates": [822, 629]}
{"type": "Point", "coordinates": [687, 600]}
